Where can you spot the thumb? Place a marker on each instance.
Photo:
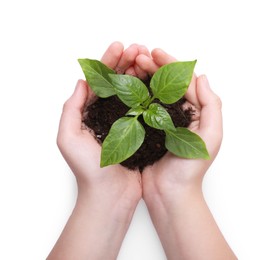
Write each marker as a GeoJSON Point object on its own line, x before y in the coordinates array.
{"type": "Point", "coordinates": [211, 126]}
{"type": "Point", "coordinates": [71, 118]}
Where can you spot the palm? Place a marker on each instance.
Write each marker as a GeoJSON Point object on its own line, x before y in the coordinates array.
{"type": "Point", "coordinates": [81, 150]}
{"type": "Point", "coordinates": [122, 61]}
{"type": "Point", "coordinates": [171, 169]}
{"type": "Point", "coordinates": [172, 172]}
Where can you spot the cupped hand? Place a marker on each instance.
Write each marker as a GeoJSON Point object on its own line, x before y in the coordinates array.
{"type": "Point", "coordinates": [171, 172]}
{"type": "Point", "coordinates": [80, 149]}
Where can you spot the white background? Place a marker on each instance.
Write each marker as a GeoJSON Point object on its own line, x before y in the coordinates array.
{"type": "Point", "coordinates": [237, 46]}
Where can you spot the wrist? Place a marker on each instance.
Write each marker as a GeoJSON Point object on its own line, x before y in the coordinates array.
{"type": "Point", "coordinates": [167, 191]}
{"type": "Point", "coordinates": [114, 205]}
{"type": "Point", "coordinates": [169, 203]}
{"type": "Point", "coordinates": [165, 210]}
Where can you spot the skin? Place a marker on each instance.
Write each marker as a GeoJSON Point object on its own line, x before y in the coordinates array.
{"type": "Point", "coordinates": [107, 197]}
{"type": "Point", "coordinates": [171, 188]}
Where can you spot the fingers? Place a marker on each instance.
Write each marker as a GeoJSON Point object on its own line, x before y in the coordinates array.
{"type": "Point", "coordinates": [191, 94]}
{"type": "Point", "coordinates": [135, 60]}
{"type": "Point", "coordinates": [127, 59]}
{"type": "Point", "coordinates": [71, 118]}
{"type": "Point", "coordinates": [131, 71]}
{"type": "Point", "coordinates": [113, 54]}
{"type": "Point", "coordinates": [143, 50]}
{"type": "Point", "coordinates": [127, 62]}
{"type": "Point", "coordinates": [142, 74]}
{"type": "Point", "coordinates": [119, 60]}
{"type": "Point", "coordinates": [152, 63]}
{"type": "Point", "coordinates": [161, 58]}
{"type": "Point", "coordinates": [210, 126]}
{"type": "Point", "coordinates": [147, 64]}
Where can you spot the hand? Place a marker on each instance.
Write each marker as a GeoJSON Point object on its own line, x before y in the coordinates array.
{"type": "Point", "coordinates": [172, 172]}
{"type": "Point", "coordinates": [80, 149]}
{"type": "Point", "coordinates": [107, 197]}
{"type": "Point", "coordinates": [172, 187]}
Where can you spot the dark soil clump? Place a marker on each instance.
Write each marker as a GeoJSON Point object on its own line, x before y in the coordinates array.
{"type": "Point", "coordinates": [101, 114]}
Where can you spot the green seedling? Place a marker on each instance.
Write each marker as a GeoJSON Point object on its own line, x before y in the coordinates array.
{"type": "Point", "coordinates": [168, 85]}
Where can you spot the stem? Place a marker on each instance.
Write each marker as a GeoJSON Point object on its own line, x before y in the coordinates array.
{"type": "Point", "coordinates": [152, 99]}
{"type": "Point", "coordinates": [148, 102]}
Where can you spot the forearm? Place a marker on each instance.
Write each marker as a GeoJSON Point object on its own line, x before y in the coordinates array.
{"type": "Point", "coordinates": [187, 228]}
{"type": "Point", "coordinates": [94, 230]}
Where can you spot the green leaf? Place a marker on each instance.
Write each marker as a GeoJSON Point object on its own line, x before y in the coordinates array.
{"type": "Point", "coordinates": [157, 117]}
{"type": "Point", "coordinates": [136, 111]}
{"type": "Point", "coordinates": [130, 90]}
{"type": "Point", "coordinates": [97, 76]}
{"type": "Point", "coordinates": [171, 81]}
{"type": "Point", "coordinates": [186, 144]}
{"type": "Point", "coordinates": [124, 139]}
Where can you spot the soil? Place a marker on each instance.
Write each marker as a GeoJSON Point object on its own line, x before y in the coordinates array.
{"type": "Point", "coordinates": [100, 115]}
